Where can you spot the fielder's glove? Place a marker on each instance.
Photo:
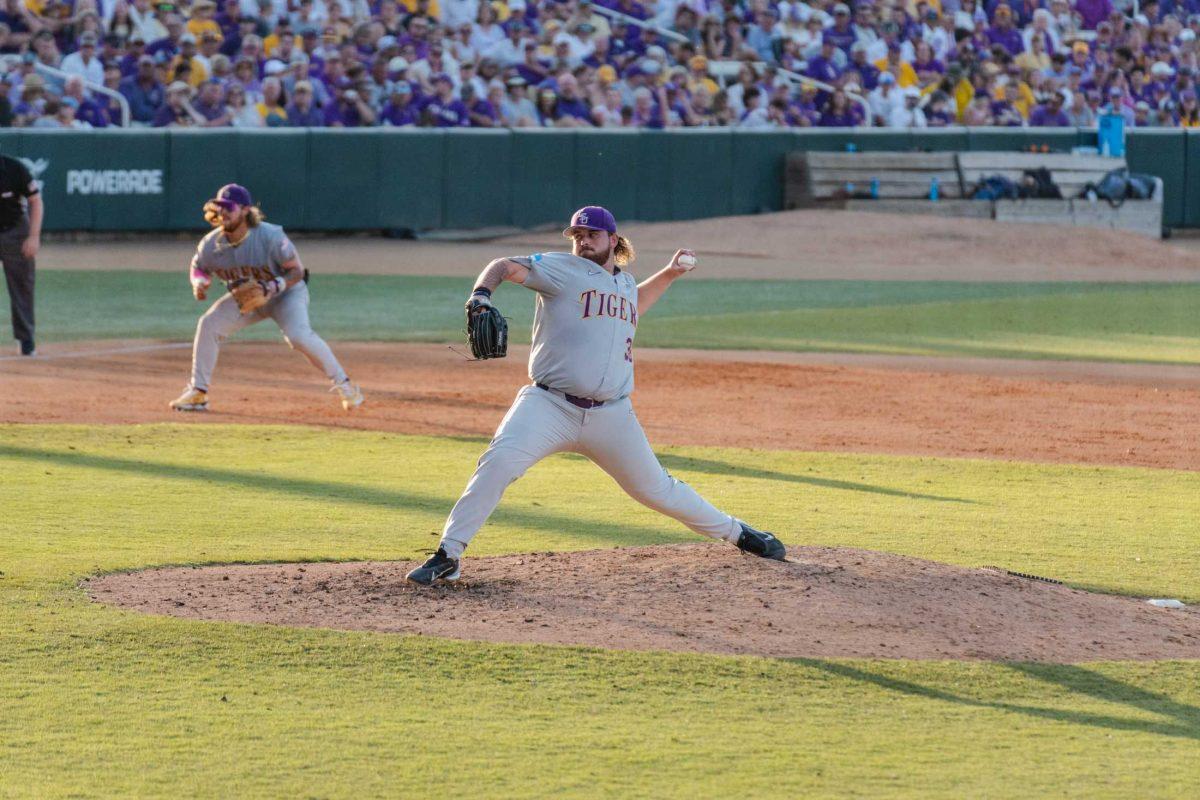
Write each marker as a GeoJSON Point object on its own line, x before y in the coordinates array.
{"type": "Point", "coordinates": [487, 330]}
{"type": "Point", "coordinates": [253, 295]}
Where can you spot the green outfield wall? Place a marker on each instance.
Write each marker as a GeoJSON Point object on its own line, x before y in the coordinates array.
{"type": "Point", "coordinates": [380, 179]}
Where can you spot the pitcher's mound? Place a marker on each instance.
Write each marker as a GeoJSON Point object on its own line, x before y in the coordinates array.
{"type": "Point", "coordinates": [825, 602]}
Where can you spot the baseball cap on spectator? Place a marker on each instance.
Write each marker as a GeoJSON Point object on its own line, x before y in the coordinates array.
{"type": "Point", "coordinates": [298, 57]}
{"type": "Point", "coordinates": [178, 86]}
{"type": "Point", "coordinates": [1141, 19]}
{"type": "Point", "coordinates": [309, 31]}
{"type": "Point", "coordinates": [1187, 35]}
{"type": "Point", "coordinates": [396, 65]}
{"type": "Point", "coordinates": [518, 5]}
{"type": "Point", "coordinates": [1080, 47]}
{"type": "Point", "coordinates": [1161, 69]}
{"type": "Point", "coordinates": [656, 52]}
{"type": "Point", "coordinates": [516, 81]}
{"type": "Point", "coordinates": [650, 67]}
{"type": "Point", "coordinates": [387, 41]}
{"type": "Point", "coordinates": [1116, 91]}
{"type": "Point", "coordinates": [69, 101]}
{"type": "Point", "coordinates": [841, 8]}
{"type": "Point", "coordinates": [698, 62]}
{"type": "Point", "coordinates": [187, 38]}
{"type": "Point", "coordinates": [401, 87]}
{"type": "Point", "coordinates": [440, 77]}
{"type": "Point", "coordinates": [591, 218]}
{"type": "Point", "coordinates": [1187, 95]}
{"type": "Point", "coordinates": [145, 59]}
{"type": "Point", "coordinates": [231, 194]}
{"type": "Point", "coordinates": [887, 78]}
{"type": "Point", "coordinates": [1141, 105]}
{"type": "Point", "coordinates": [274, 67]}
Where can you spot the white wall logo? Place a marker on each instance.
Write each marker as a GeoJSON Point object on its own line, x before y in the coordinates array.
{"type": "Point", "coordinates": [114, 181]}
{"type": "Point", "coordinates": [36, 168]}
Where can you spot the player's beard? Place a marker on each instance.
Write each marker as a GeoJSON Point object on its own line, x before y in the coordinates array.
{"type": "Point", "coordinates": [598, 256]}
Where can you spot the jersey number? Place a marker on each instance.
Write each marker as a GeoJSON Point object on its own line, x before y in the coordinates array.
{"type": "Point", "coordinates": [629, 350]}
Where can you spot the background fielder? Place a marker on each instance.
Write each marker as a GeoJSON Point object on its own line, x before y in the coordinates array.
{"type": "Point", "coordinates": [243, 248]}
{"type": "Point", "coordinates": [581, 363]}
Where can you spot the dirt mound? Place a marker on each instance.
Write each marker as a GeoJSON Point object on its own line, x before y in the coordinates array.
{"type": "Point", "coordinates": [823, 603]}
{"type": "Point", "coordinates": [1132, 415]}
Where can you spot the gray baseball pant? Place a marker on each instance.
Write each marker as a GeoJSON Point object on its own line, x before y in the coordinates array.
{"type": "Point", "coordinates": [290, 312]}
{"type": "Point", "coordinates": [541, 423]}
{"type": "Point", "coordinates": [18, 274]}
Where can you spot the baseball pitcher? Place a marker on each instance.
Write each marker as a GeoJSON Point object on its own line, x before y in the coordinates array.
{"type": "Point", "coordinates": [260, 267]}
{"type": "Point", "coordinates": [581, 365]}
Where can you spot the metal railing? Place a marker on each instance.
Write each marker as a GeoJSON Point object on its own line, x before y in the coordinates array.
{"type": "Point", "coordinates": [794, 78]}
{"type": "Point", "coordinates": [11, 63]}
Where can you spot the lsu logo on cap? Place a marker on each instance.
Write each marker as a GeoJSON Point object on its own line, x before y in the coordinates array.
{"type": "Point", "coordinates": [583, 218]}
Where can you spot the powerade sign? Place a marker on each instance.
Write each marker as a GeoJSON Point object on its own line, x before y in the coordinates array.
{"type": "Point", "coordinates": [101, 181]}
{"type": "Point", "coordinates": [114, 181]}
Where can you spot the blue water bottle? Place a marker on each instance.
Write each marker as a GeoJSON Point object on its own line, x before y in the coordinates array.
{"type": "Point", "coordinates": [933, 189]}
{"type": "Point", "coordinates": [874, 188]}
{"type": "Point", "coordinates": [851, 147]}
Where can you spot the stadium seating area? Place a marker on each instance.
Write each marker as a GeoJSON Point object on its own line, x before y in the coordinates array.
{"type": "Point", "coordinates": [610, 63]}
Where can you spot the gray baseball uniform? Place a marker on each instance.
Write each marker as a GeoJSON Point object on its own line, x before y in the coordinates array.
{"type": "Point", "coordinates": [259, 256]}
{"type": "Point", "coordinates": [583, 332]}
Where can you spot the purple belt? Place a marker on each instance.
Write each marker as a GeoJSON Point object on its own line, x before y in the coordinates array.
{"type": "Point", "coordinates": [582, 402]}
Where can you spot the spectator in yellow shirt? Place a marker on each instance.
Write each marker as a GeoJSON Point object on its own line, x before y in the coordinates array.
{"type": "Point", "coordinates": [202, 18]}
{"type": "Point", "coordinates": [187, 55]}
{"type": "Point", "coordinates": [697, 77]}
{"type": "Point", "coordinates": [283, 29]}
{"type": "Point", "coordinates": [902, 70]}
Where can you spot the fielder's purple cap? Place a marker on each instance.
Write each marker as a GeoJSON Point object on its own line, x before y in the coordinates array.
{"type": "Point", "coordinates": [593, 218]}
{"type": "Point", "coordinates": [231, 194]}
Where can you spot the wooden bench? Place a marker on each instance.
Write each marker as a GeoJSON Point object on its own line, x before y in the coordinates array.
{"type": "Point", "coordinates": [903, 181]}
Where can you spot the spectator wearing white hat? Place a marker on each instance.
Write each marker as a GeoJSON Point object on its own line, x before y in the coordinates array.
{"type": "Point", "coordinates": [910, 114]}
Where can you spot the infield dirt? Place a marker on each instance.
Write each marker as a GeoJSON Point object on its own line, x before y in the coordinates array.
{"type": "Point", "coordinates": [1129, 415]}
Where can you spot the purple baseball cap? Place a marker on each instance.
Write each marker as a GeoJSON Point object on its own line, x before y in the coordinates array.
{"type": "Point", "coordinates": [594, 218]}
{"type": "Point", "coordinates": [231, 194]}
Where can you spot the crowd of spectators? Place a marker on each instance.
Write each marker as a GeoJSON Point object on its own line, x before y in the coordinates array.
{"type": "Point", "coordinates": [545, 63]}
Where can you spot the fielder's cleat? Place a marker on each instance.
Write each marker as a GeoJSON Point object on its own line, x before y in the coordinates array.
{"type": "Point", "coordinates": [191, 400]}
{"type": "Point", "coordinates": [352, 396]}
{"type": "Point", "coordinates": [28, 348]}
{"type": "Point", "coordinates": [439, 567]}
{"type": "Point", "coordinates": [760, 543]}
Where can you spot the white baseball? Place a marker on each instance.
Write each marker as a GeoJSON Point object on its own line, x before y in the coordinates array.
{"type": "Point", "coordinates": [686, 261]}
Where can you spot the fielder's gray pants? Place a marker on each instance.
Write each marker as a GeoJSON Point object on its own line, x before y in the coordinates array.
{"type": "Point", "coordinates": [18, 274]}
{"type": "Point", "coordinates": [540, 423]}
{"type": "Point", "coordinates": [290, 312]}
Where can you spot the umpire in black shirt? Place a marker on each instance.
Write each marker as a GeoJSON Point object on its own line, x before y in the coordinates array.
{"type": "Point", "coordinates": [20, 238]}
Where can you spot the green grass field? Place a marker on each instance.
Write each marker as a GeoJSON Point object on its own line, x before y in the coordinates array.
{"type": "Point", "coordinates": [1113, 322]}
{"type": "Point", "coordinates": [99, 701]}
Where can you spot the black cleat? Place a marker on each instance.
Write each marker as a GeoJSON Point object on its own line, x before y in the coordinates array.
{"type": "Point", "coordinates": [760, 543]}
{"type": "Point", "coordinates": [439, 567]}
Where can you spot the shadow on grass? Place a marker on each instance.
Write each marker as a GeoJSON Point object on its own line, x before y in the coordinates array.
{"type": "Point", "coordinates": [723, 468]}
{"type": "Point", "coordinates": [624, 534]}
{"type": "Point", "coordinates": [1183, 722]}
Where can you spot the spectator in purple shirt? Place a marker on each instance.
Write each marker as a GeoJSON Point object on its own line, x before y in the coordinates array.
{"type": "Point", "coordinates": [1050, 114]}
{"type": "Point", "coordinates": [1003, 33]}
{"type": "Point", "coordinates": [211, 105]}
{"type": "Point", "coordinates": [401, 110]}
{"type": "Point", "coordinates": [842, 34]}
{"type": "Point", "coordinates": [573, 111]}
{"type": "Point", "coordinates": [442, 110]}
{"type": "Point", "coordinates": [822, 67]}
{"type": "Point", "coordinates": [1093, 12]}
{"type": "Point", "coordinates": [302, 112]}
{"type": "Point", "coordinates": [480, 112]}
{"type": "Point", "coordinates": [349, 110]}
{"type": "Point", "coordinates": [838, 113]}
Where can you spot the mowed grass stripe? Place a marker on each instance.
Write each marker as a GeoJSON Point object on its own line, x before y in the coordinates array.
{"type": "Point", "coordinates": [105, 702]}
{"type": "Point", "coordinates": [1143, 322]}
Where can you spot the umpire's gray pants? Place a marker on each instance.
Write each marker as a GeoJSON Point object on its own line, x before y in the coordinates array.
{"type": "Point", "coordinates": [18, 274]}
{"type": "Point", "coordinates": [290, 312]}
{"type": "Point", "coordinates": [540, 423]}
